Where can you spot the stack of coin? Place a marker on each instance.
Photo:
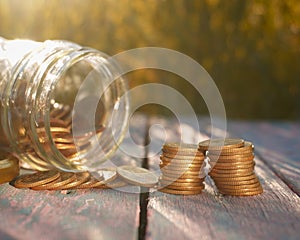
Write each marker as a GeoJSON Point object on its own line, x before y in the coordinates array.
{"type": "Point", "coordinates": [181, 167]}
{"type": "Point", "coordinates": [232, 162]}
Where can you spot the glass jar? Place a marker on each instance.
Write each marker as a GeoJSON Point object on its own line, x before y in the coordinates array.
{"type": "Point", "coordinates": [62, 105]}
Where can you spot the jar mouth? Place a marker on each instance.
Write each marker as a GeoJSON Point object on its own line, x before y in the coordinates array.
{"type": "Point", "coordinates": [83, 106]}
{"type": "Point", "coordinates": [69, 110]}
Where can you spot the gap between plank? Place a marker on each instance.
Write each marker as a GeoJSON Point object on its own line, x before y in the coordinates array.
{"type": "Point", "coordinates": [144, 194]}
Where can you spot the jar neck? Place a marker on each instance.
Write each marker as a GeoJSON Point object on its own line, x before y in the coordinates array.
{"type": "Point", "coordinates": [41, 82]}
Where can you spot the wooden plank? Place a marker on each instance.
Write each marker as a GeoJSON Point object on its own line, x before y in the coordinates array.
{"type": "Point", "coordinates": [76, 214]}
{"type": "Point", "coordinates": [275, 214]}
{"type": "Point", "coordinates": [278, 145]}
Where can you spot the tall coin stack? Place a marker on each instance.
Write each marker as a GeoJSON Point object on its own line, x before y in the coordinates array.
{"type": "Point", "coordinates": [232, 164]}
{"type": "Point", "coordinates": [181, 167]}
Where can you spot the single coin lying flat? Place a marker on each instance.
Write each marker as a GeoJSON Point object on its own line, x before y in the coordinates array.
{"type": "Point", "coordinates": [137, 176]}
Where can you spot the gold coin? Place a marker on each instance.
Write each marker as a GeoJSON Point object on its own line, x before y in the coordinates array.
{"type": "Point", "coordinates": [231, 175]}
{"type": "Point", "coordinates": [232, 171]}
{"type": "Point", "coordinates": [243, 192]}
{"type": "Point", "coordinates": [232, 158]}
{"type": "Point", "coordinates": [180, 146]}
{"type": "Point", "coordinates": [167, 170]}
{"type": "Point", "coordinates": [81, 178]}
{"type": "Point", "coordinates": [186, 188]}
{"type": "Point", "coordinates": [237, 188]}
{"type": "Point", "coordinates": [59, 140]}
{"type": "Point", "coordinates": [64, 178]}
{"type": "Point", "coordinates": [54, 130]}
{"type": "Point", "coordinates": [36, 179]}
{"type": "Point", "coordinates": [179, 192]}
{"type": "Point", "coordinates": [117, 183]}
{"type": "Point", "coordinates": [232, 167]}
{"type": "Point", "coordinates": [9, 168]}
{"type": "Point", "coordinates": [180, 154]}
{"type": "Point", "coordinates": [186, 167]}
{"type": "Point", "coordinates": [64, 146]}
{"type": "Point", "coordinates": [246, 149]}
{"type": "Point", "coordinates": [182, 176]}
{"type": "Point", "coordinates": [186, 184]}
{"type": "Point", "coordinates": [182, 163]}
{"type": "Point", "coordinates": [194, 161]}
{"type": "Point", "coordinates": [220, 144]}
{"type": "Point", "coordinates": [237, 183]}
{"type": "Point", "coordinates": [231, 164]}
{"type": "Point", "coordinates": [108, 175]}
{"type": "Point", "coordinates": [184, 180]}
{"type": "Point", "coordinates": [234, 178]}
{"type": "Point", "coordinates": [177, 158]}
{"type": "Point", "coordinates": [137, 176]}
{"type": "Point", "coordinates": [90, 183]}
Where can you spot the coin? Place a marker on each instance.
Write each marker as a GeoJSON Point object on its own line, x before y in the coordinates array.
{"type": "Point", "coordinates": [232, 171]}
{"type": "Point", "coordinates": [36, 179]}
{"type": "Point", "coordinates": [53, 130]}
{"type": "Point", "coordinates": [9, 169]}
{"type": "Point", "coordinates": [175, 183]}
{"type": "Point", "coordinates": [186, 188]}
{"type": "Point", "coordinates": [227, 175]}
{"type": "Point", "coordinates": [189, 159]}
{"type": "Point", "coordinates": [220, 144]}
{"type": "Point", "coordinates": [233, 157]}
{"type": "Point", "coordinates": [64, 178]}
{"type": "Point", "coordinates": [180, 154]}
{"type": "Point", "coordinates": [183, 180]}
{"type": "Point", "coordinates": [179, 192]}
{"type": "Point", "coordinates": [183, 147]}
{"type": "Point", "coordinates": [239, 187]}
{"type": "Point", "coordinates": [179, 168]}
{"type": "Point", "coordinates": [117, 183]}
{"type": "Point", "coordinates": [231, 163]}
{"type": "Point", "coordinates": [81, 178]}
{"type": "Point", "coordinates": [108, 175]}
{"type": "Point", "coordinates": [234, 178]}
{"type": "Point", "coordinates": [243, 192]}
{"type": "Point", "coordinates": [232, 167]}
{"type": "Point", "coordinates": [137, 176]}
{"type": "Point", "coordinates": [90, 183]}
{"type": "Point", "coordinates": [236, 183]}
{"type": "Point", "coordinates": [231, 153]}
{"type": "Point", "coordinates": [185, 172]}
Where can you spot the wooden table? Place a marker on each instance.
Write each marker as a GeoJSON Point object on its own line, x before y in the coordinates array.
{"type": "Point", "coordinates": [109, 214]}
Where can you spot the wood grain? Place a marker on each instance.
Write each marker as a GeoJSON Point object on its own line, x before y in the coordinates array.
{"type": "Point", "coordinates": [275, 214]}
{"type": "Point", "coordinates": [77, 214]}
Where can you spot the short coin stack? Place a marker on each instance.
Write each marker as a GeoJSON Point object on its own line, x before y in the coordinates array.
{"type": "Point", "coordinates": [232, 164]}
{"type": "Point", "coordinates": [181, 167]}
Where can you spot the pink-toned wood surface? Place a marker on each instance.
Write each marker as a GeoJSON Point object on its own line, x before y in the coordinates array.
{"type": "Point", "coordinates": [109, 214]}
{"type": "Point", "coordinates": [275, 214]}
{"type": "Point", "coordinates": [77, 214]}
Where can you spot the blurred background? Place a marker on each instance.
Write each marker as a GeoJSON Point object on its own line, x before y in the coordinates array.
{"type": "Point", "coordinates": [250, 48]}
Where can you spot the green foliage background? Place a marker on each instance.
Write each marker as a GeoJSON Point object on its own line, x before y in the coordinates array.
{"type": "Point", "coordinates": [251, 48]}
